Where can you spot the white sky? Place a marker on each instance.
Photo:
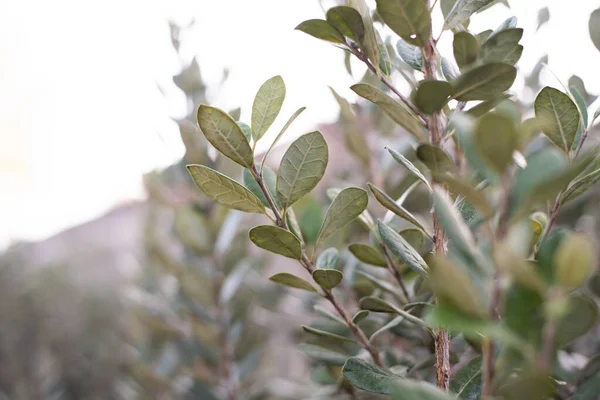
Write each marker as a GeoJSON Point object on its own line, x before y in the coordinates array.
{"type": "Point", "coordinates": [81, 119]}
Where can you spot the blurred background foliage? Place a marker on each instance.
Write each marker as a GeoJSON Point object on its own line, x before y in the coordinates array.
{"type": "Point", "coordinates": [177, 331]}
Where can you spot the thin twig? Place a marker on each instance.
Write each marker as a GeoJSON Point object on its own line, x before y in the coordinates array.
{"type": "Point", "coordinates": [394, 271]}
{"type": "Point", "coordinates": [309, 265]}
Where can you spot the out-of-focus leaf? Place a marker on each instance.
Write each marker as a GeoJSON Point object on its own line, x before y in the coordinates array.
{"type": "Point", "coordinates": [579, 319]}
{"type": "Point", "coordinates": [485, 82]}
{"type": "Point", "coordinates": [431, 96]}
{"type": "Point", "coordinates": [583, 112]}
{"type": "Point", "coordinates": [462, 10]}
{"type": "Point", "coordinates": [496, 139]}
{"type": "Point", "coordinates": [376, 305]}
{"type": "Point", "coordinates": [367, 254]}
{"type": "Point", "coordinates": [369, 43]}
{"type": "Point", "coordinates": [328, 259]}
{"type": "Point", "coordinates": [449, 69]}
{"type": "Point", "coordinates": [392, 324]}
{"type": "Point", "coordinates": [391, 205]}
{"type": "Point", "coordinates": [224, 190]}
{"type": "Point", "coordinates": [293, 281]}
{"type": "Point", "coordinates": [346, 207]}
{"type": "Point", "coordinates": [276, 240]}
{"type": "Point", "coordinates": [503, 47]}
{"type": "Point", "coordinates": [323, 355]}
{"type": "Point", "coordinates": [594, 26]}
{"type": "Point", "coordinates": [302, 167]}
{"type": "Point", "coordinates": [246, 129]}
{"type": "Point", "coordinates": [402, 249]}
{"type": "Point", "coordinates": [385, 64]}
{"type": "Point", "coordinates": [467, 383]}
{"type": "Point", "coordinates": [266, 106]}
{"type": "Point", "coordinates": [542, 17]}
{"type": "Point", "coordinates": [225, 135]}
{"type": "Point", "coordinates": [369, 377]}
{"type": "Point", "coordinates": [483, 107]}
{"type": "Point", "coordinates": [327, 278]}
{"type": "Point", "coordinates": [436, 159]}
{"type": "Point", "coordinates": [559, 117]}
{"type": "Point", "coordinates": [574, 261]}
{"type": "Point", "coordinates": [269, 178]}
{"type": "Point", "coordinates": [409, 19]}
{"type": "Point", "coordinates": [410, 54]}
{"type": "Point", "coordinates": [396, 111]}
{"type": "Point", "coordinates": [466, 48]}
{"type": "Point", "coordinates": [359, 316]}
{"type": "Point", "coordinates": [348, 21]}
{"type": "Point", "coordinates": [472, 195]}
{"type": "Point", "coordinates": [407, 389]}
{"type": "Point", "coordinates": [280, 134]}
{"type": "Point", "coordinates": [321, 29]}
{"type": "Point", "coordinates": [409, 166]}
{"type": "Point", "coordinates": [325, 334]}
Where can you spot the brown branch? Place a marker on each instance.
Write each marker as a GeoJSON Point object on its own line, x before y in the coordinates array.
{"type": "Point", "coordinates": [394, 271]}
{"type": "Point", "coordinates": [308, 264]}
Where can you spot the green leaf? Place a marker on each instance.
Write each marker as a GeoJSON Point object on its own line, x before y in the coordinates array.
{"type": "Point", "coordinates": [321, 29]}
{"type": "Point", "coordinates": [583, 112]}
{"type": "Point", "coordinates": [225, 135]}
{"type": "Point", "coordinates": [462, 10]}
{"type": "Point", "coordinates": [369, 377]}
{"type": "Point", "coordinates": [392, 324]}
{"type": "Point", "coordinates": [503, 47]}
{"type": "Point", "coordinates": [328, 259]}
{"type": "Point", "coordinates": [359, 316]}
{"type": "Point", "coordinates": [246, 129]}
{"type": "Point", "coordinates": [276, 240]}
{"type": "Point", "coordinates": [410, 54]}
{"type": "Point", "coordinates": [581, 317]}
{"type": "Point", "coordinates": [327, 278]}
{"type": "Point", "coordinates": [407, 389]}
{"type": "Point", "coordinates": [325, 334]}
{"type": "Point", "coordinates": [431, 96]}
{"type": "Point", "coordinates": [266, 106]}
{"type": "Point", "coordinates": [485, 35]}
{"type": "Point", "coordinates": [414, 237]}
{"type": "Point", "coordinates": [269, 178]}
{"type": "Point", "coordinates": [224, 190]}
{"type": "Point", "coordinates": [385, 64]}
{"type": "Point", "coordinates": [328, 314]}
{"type": "Point", "coordinates": [376, 304]}
{"type": "Point", "coordinates": [436, 159]}
{"type": "Point", "coordinates": [402, 249]}
{"type": "Point", "coordinates": [346, 207]}
{"type": "Point", "coordinates": [323, 355]}
{"type": "Point", "coordinates": [449, 70]}
{"type": "Point", "coordinates": [473, 196]}
{"type": "Point", "coordinates": [396, 111]}
{"type": "Point", "coordinates": [594, 26]}
{"type": "Point", "coordinates": [391, 205]}
{"type": "Point", "coordinates": [496, 139]}
{"type": "Point", "coordinates": [280, 134]}
{"type": "Point", "coordinates": [409, 19]}
{"type": "Point", "coordinates": [573, 261]}
{"type": "Point", "coordinates": [302, 167]}
{"type": "Point", "coordinates": [580, 186]}
{"type": "Point", "coordinates": [466, 48]}
{"type": "Point", "coordinates": [383, 285]}
{"type": "Point", "coordinates": [409, 166]}
{"type": "Point", "coordinates": [367, 254]}
{"type": "Point", "coordinates": [559, 117]}
{"type": "Point", "coordinates": [483, 107]}
{"type": "Point", "coordinates": [369, 43]}
{"type": "Point", "coordinates": [348, 21]}
{"type": "Point", "coordinates": [293, 281]}
{"type": "Point", "coordinates": [452, 285]}
{"type": "Point", "coordinates": [467, 383]}
{"type": "Point", "coordinates": [485, 82]}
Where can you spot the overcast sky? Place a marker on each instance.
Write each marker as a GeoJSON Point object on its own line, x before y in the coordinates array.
{"type": "Point", "coordinates": [81, 119]}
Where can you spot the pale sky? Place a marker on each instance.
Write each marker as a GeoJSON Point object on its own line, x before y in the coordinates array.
{"type": "Point", "coordinates": [81, 119]}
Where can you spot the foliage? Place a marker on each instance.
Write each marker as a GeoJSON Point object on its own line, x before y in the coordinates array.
{"type": "Point", "coordinates": [484, 288]}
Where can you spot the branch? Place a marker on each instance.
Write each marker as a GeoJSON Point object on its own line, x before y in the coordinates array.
{"type": "Point", "coordinates": [394, 271]}
{"type": "Point", "coordinates": [308, 264]}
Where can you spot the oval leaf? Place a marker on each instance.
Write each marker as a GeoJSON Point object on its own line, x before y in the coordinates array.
{"type": "Point", "coordinates": [594, 26]}
{"type": "Point", "coordinates": [462, 10]}
{"type": "Point", "coordinates": [409, 19]}
{"type": "Point", "coordinates": [376, 304]}
{"type": "Point", "coordinates": [466, 48]}
{"type": "Point", "coordinates": [325, 334]}
{"type": "Point", "coordinates": [402, 249]}
{"type": "Point", "coordinates": [348, 21]}
{"type": "Point", "coordinates": [485, 82]}
{"type": "Point", "coordinates": [467, 383]}
{"type": "Point", "coordinates": [323, 355]}
{"type": "Point", "coordinates": [346, 207]}
{"type": "Point", "coordinates": [470, 194]}
{"type": "Point", "coordinates": [409, 166]}
{"type": "Point", "coordinates": [581, 186]}
{"type": "Point", "coordinates": [410, 54]}
{"type": "Point", "coordinates": [396, 111]}
{"type": "Point", "coordinates": [436, 159]}
{"type": "Point", "coordinates": [224, 190]}
{"type": "Point", "coordinates": [407, 389]}
{"type": "Point", "coordinates": [225, 135]}
{"type": "Point", "coordinates": [322, 29]}
{"type": "Point", "coordinates": [327, 278]}
{"type": "Point", "coordinates": [559, 117]}
{"type": "Point", "coordinates": [367, 254]}
{"type": "Point", "coordinates": [369, 377]}
{"type": "Point", "coordinates": [328, 259]}
{"type": "Point", "coordinates": [292, 281]}
{"type": "Point", "coordinates": [431, 96]}
{"type": "Point", "coordinates": [581, 317]}
{"type": "Point", "coordinates": [496, 139]}
{"type": "Point", "coordinates": [276, 240]}
{"type": "Point", "coordinates": [503, 47]}
{"type": "Point", "coordinates": [359, 316]}
{"type": "Point", "coordinates": [302, 167]}
{"type": "Point", "coordinates": [266, 106]}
